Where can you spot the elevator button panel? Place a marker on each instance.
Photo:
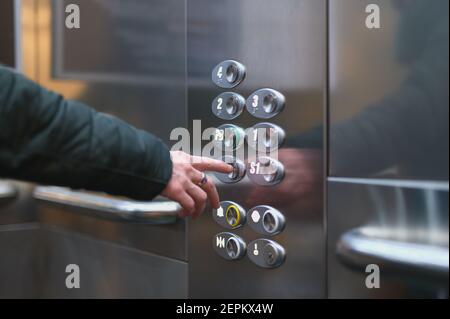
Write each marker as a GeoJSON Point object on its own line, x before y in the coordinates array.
{"type": "Point", "coordinates": [228, 105]}
{"type": "Point", "coordinates": [266, 253]}
{"type": "Point", "coordinates": [229, 137]}
{"type": "Point", "coordinates": [228, 74]}
{"type": "Point", "coordinates": [265, 137]}
{"type": "Point", "coordinates": [265, 103]}
{"type": "Point", "coordinates": [266, 220]}
{"type": "Point", "coordinates": [265, 171]}
{"type": "Point", "coordinates": [238, 170]}
{"type": "Point", "coordinates": [230, 215]}
{"type": "Point", "coordinates": [229, 246]}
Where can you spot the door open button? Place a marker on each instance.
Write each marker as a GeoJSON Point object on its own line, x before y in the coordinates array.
{"type": "Point", "coordinates": [229, 246]}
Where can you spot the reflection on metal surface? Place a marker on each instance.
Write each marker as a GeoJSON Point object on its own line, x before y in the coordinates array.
{"type": "Point", "coordinates": [7, 191]}
{"type": "Point", "coordinates": [145, 212]}
{"type": "Point", "coordinates": [389, 90]}
{"type": "Point", "coordinates": [364, 246]}
{"type": "Point", "coordinates": [404, 230]}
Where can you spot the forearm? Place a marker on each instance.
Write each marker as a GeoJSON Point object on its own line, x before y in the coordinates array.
{"type": "Point", "coordinates": [49, 140]}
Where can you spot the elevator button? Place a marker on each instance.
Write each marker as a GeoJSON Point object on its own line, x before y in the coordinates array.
{"type": "Point", "coordinates": [266, 220]}
{"type": "Point", "coordinates": [265, 137]}
{"type": "Point", "coordinates": [228, 74]}
{"type": "Point", "coordinates": [229, 137]}
{"type": "Point", "coordinates": [265, 171]}
{"type": "Point", "coordinates": [238, 170]}
{"type": "Point", "coordinates": [229, 246]}
{"type": "Point", "coordinates": [230, 215]}
{"type": "Point", "coordinates": [265, 103]}
{"type": "Point", "coordinates": [266, 253]}
{"type": "Point", "coordinates": [228, 105]}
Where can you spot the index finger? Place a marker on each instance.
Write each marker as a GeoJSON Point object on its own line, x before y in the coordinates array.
{"type": "Point", "coordinates": [209, 164]}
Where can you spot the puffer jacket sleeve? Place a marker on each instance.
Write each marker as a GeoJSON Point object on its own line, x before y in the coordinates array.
{"type": "Point", "coordinates": [49, 140]}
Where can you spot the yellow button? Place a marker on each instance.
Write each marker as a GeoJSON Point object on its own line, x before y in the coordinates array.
{"type": "Point", "coordinates": [233, 216]}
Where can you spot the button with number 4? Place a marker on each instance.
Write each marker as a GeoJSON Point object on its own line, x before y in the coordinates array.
{"type": "Point", "coordinates": [228, 74]}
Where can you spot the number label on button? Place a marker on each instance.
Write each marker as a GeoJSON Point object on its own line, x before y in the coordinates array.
{"type": "Point", "coordinates": [228, 74]}
{"type": "Point", "coordinates": [265, 103]}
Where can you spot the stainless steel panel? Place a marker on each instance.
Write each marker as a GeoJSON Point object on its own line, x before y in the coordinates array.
{"type": "Point", "coordinates": [389, 90]}
{"type": "Point", "coordinates": [19, 250]}
{"type": "Point", "coordinates": [34, 261]}
{"type": "Point", "coordinates": [107, 270]}
{"type": "Point", "coordinates": [18, 207]}
{"type": "Point", "coordinates": [128, 56]}
{"type": "Point", "coordinates": [399, 219]}
{"type": "Point", "coordinates": [128, 60]}
{"type": "Point", "coordinates": [166, 240]}
{"type": "Point", "coordinates": [282, 44]}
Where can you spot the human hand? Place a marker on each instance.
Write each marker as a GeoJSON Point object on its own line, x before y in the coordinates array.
{"type": "Point", "coordinates": [189, 186]}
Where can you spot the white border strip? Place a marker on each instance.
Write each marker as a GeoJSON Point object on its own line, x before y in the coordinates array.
{"type": "Point", "coordinates": [433, 185]}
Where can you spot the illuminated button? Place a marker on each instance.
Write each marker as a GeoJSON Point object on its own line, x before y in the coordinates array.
{"type": "Point", "coordinates": [238, 170]}
{"type": "Point", "coordinates": [266, 253]}
{"type": "Point", "coordinates": [266, 220]}
{"type": "Point", "coordinates": [229, 137]}
{"type": "Point", "coordinates": [265, 171]}
{"type": "Point", "coordinates": [228, 74]}
{"type": "Point", "coordinates": [228, 105]}
{"type": "Point", "coordinates": [265, 137]}
{"type": "Point", "coordinates": [229, 246]}
{"type": "Point", "coordinates": [230, 215]}
{"type": "Point", "coordinates": [265, 103]}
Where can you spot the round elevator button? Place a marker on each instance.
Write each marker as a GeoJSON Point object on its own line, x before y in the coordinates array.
{"type": "Point", "coordinates": [236, 175]}
{"type": "Point", "coordinates": [229, 246]}
{"type": "Point", "coordinates": [228, 74]}
{"type": "Point", "coordinates": [265, 103]}
{"type": "Point", "coordinates": [228, 105]}
{"type": "Point", "coordinates": [230, 215]}
{"type": "Point", "coordinates": [266, 137]}
{"type": "Point", "coordinates": [266, 253]}
{"type": "Point", "coordinates": [265, 171]}
{"type": "Point", "coordinates": [266, 220]}
{"type": "Point", "coordinates": [233, 216]}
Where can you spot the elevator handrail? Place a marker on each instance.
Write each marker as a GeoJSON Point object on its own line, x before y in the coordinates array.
{"type": "Point", "coordinates": [7, 191]}
{"type": "Point", "coordinates": [364, 246]}
{"type": "Point", "coordinates": [155, 212]}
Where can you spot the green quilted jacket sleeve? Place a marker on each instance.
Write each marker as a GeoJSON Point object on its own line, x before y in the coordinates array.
{"type": "Point", "coordinates": [49, 140]}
